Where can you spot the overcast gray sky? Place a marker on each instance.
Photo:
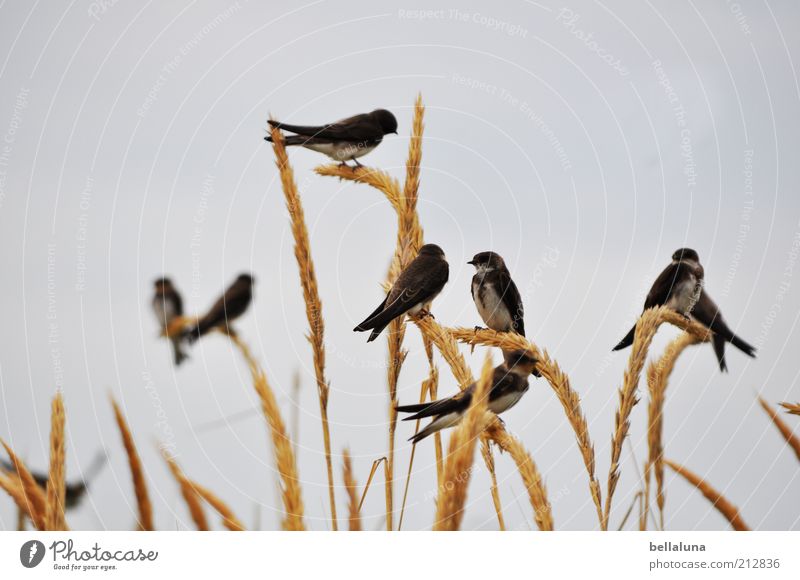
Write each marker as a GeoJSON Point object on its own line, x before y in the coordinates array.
{"type": "Point", "coordinates": [584, 142]}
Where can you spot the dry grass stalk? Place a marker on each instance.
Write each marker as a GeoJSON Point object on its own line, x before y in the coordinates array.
{"type": "Point", "coordinates": [558, 381]}
{"type": "Point", "coordinates": [351, 486]}
{"type": "Point", "coordinates": [409, 240]}
{"type": "Point", "coordinates": [723, 506]}
{"type": "Point", "coordinates": [35, 498]}
{"type": "Point", "coordinates": [56, 482]}
{"type": "Point", "coordinates": [308, 280]}
{"type": "Point", "coordinates": [448, 348]}
{"type": "Point", "coordinates": [189, 493]}
{"type": "Point", "coordinates": [791, 408]}
{"type": "Point", "coordinates": [786, 432]}
{"type": "Point", "coordinates": [425, 389]}
{"type": "Point", "coordinates": [488, 459]}
{"type": "Point", "coordinates": [143, 503]}
{"type": "Point", "coordinates": [646, 328]}
{"type": "Point", "coordinates": [657, 378]}
{"type": "Point", "coordinates": [12, 485]}
{"type": "Point", "coordinates": [372, 471]}
{"type": "Point", "coordinates": [229, 520]}
{"type": "Point", "coordinates": [282, 444]}
{"type": "Point", "coordinates": [458, 467]}
{"type": "Point", "coordinates": [537, 493]}
{"type": "Point", "coordinates": [377, 178]}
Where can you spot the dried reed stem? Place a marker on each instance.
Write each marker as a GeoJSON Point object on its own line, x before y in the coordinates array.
{"type": "Point", "coordinates": [12, 485]}
{"type": "Point", "coordinates": [56, 482]}
{"type": "Point", "coordinates": [558, 381]}
{"type": "Point", "coordinates": [281, 442]}
{"type": "Point", "coordinates": [488, 459]}
{"type": "Point", "coordinates": [723, 506]}
{"type": "Point", "coordinates": [786, 432]}
{"type": "Point", "coordinates": [658, 374]}
{"type": "Point", "coordinates": [646, 328]}
{"type": "Point", "coordinates": [791, 408]}
{"type": "Point", "coordinates": [189, 493]}
{"type": "Point", "coordinates": [537, 493]}
{"type": "Point", "coordinates": [447, 346]}
{"type": "Point", "coordinates": [143, 503]}
{"type": "Point", "coordinates": [458, 467]}
{"type": "Point", "coordinates": [425, 388]}
{"type": "Point", "coordinates": [351, 486]}
{"type": "Point", "coordinates": [370, 176]}
{"type": "Point", "coordinates": [372, 471]}
{"type": "Point", "coordinates": [229, 520]}
{"type": "Point", "coordinates": [308, 280]}
{"type": "Point", "coordinates": [35, 498]}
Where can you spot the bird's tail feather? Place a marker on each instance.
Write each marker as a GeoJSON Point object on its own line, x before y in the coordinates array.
{"type": "Point", "coordinates": [746, 348]}
{"type": "Point", "coordinates": [627, 341]}
{"type": "Point", "coordinates": [429, 430]}
{"type": "Point", "coordinates": [416, 408]}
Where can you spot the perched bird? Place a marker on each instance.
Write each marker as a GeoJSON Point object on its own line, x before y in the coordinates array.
{"type": "Point", "coordinates": [678, 287]}
{"type": "Point", "coordinates": [168, 305]}
{"type": "Point", "coordinates": [413, 291]}
{"type": "Point", "coordinates": [707, 313]}
{"type": "Point", "coordinates": [343, 140]}
{"type": "Point", "coordinates": [230, 306]}
{"type": "Point", "coordinates": [495, 294]}
{"type": "Point", "coordinates": [509, 383]}
{"type": "Point", "coordinates": [76, 490]}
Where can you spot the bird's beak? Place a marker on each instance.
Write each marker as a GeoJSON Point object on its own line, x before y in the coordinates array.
{"type": "Point", "coordinates": [395, 132]}
{"type": "Point", "coordinates": [471, 262]}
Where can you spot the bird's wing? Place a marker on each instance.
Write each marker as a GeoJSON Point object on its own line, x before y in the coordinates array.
{"type": "Point", "coordinates": [362, 327]}
{"type": "Point", "coordinates": [707, 313]}
{"type": "Point", "coordinates": [177, 303]}
{"type": "Point", "coordinates": [662, 288]}
{"type": "Point", "coordinates": [421, 280]}
{"type": "Point", "coordinates": [356, 128]}
{"type": "Point", "coordinates": [512, 300]}
{"type": "Point", "coordinates": [503, 382]}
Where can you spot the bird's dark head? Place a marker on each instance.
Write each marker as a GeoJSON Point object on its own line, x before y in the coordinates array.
{"type": "Point", "coordinates": [163, 283]}
{"type": "Point", "coordinates": [520, 362]}
{"type": "Point", "coordinates": [685, 254]}
{"type": "Point", "coordinates": [487, 261]}
{"type": "Point", "coordinates": [247, 278]}
{"type": "Point", "coordinates": [431, 250]}
{"type": "Point", "coordinates": [386, 120]}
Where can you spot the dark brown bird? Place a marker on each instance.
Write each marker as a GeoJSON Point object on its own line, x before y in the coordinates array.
{"type": "Point", "coordinates": [343, 140]}
{"type": "Point", "coordinates": [496, 296]}
{"type": "Point", "coordinates": [412, 293]}
{"type": "Point", "coordinates": [707, 313]}
{"type": "Point", "coordinates": [509, 384]}
{"type": "Point", "coordinates": [76, 490]}
{"type": "Point", "coordinates": [230, 306]}
{"type": "Point", "coordinates": [679, 287]}
{"type": "Point", "coordinates": [167, 306]}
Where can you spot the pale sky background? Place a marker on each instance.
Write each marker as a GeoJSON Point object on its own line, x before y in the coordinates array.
{"type": "Point", "coordinates": [584, 142]}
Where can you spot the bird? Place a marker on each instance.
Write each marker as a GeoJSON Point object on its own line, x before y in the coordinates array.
{"type": "Point", "coordinates": [509, 384]}
{"type": "Point", "coordinates": [230, 306]}
{"type": "Point", "coordinates": [168, 306]}
{"type": "Point", "coordinates": [678, 287]}
{"type": "Point", "coordinates": [76, 490]}
{"type": "Point", "coordinates": [413, 291]}
{"type": "Point", "coordinates": [344, 140]}
{"type": "Point", "coordinates": [495, 294]}
{"type": "Point", "coordinates": [707, 313]}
